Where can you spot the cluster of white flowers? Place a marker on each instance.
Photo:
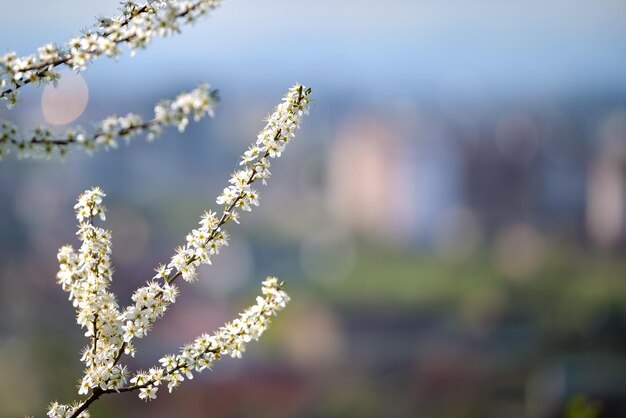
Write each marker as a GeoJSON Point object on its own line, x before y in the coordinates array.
{"type": "Point", "coordinates": [57, 410]}
{"type": "Point", "coordinates": [231, 339]}
{"type": "Point", "coordinates": [44, 143]}
{"type": "Point", "coordinates": [135, 27]}
{"type": "Point", "coordinates": [86, 274]}
{"type": "Point", "coordinates": [150, 303]}
{"type": "Point", "coordinates": [152, 300]}
{"type": "Point", "coordinates": [206, 241]}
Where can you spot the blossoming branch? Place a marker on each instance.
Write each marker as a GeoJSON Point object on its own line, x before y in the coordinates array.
{"type": "Point", "coordinates": [134, 27]}
{"type": "Point", "coordinates": [85, 274]}
{"type": "Point", "coordinates": [44, 143]}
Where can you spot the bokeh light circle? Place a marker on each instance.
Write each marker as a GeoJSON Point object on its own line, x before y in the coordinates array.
{"type": "Point", "coordinates": [65, 102]}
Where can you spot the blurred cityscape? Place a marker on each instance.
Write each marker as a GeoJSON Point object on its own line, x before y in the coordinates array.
{"type": "Point", "coordinates": [450, 221]}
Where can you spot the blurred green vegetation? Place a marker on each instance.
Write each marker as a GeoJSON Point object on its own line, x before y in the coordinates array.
{"type": "Point", "coordinates": [568, 288]}
{"type": "Point", "coordinates": [580, 407]}
{"type": "Point", "coordinates": [405, 330]}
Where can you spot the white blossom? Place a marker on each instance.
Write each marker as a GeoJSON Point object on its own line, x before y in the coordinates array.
{"type": "Point", "coordinates": [44, 143]}
{"type": "Point", "coordinates": [57, 410]}
{"type": "Point", "coordinates": [135, 27]}
{"type": "Point", "coordinates": [229, 340]}
{"type": "Point", "coordinates": [148, 393]}
{"type": "Point", "coordinates": [87, 272]}
{"type": "Point", "coordinates": [210, 237]}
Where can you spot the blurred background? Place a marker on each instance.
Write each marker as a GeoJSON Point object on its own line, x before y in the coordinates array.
{"type": "Point", "coordinates": [450, 221]}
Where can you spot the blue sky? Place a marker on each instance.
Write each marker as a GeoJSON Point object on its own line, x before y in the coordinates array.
{"type": "Point", "coordinates": [397, 45]}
